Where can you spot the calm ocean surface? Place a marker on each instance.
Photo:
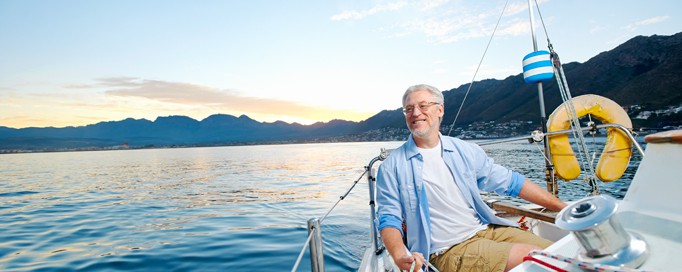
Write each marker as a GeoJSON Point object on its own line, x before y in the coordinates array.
{"type": "Point", "coordinates": [240, 208]}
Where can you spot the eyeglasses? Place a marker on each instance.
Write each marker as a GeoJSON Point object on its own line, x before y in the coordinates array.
{"type": "Point", "coordinates": [422, 107]}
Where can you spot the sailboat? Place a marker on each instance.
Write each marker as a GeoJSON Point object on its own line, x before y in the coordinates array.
{"type": "Point", "coordinates": [599, 233]}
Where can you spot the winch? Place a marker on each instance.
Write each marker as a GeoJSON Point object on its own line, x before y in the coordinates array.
{"type": "Point", "coordinates": [602, 238]}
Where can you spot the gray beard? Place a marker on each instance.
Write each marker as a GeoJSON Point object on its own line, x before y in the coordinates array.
{"type": "Point", "coordinates": [422, 133]}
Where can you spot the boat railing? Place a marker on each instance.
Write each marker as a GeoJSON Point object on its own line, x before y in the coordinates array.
{"type": "Point", "coordinates": [314, 240]}
{"type": "Point", "coordinates": [371, 180]}
{"type": "Point", "coordinates": [538, 136]}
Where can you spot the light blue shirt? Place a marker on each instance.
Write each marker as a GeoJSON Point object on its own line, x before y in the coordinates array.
{"type": "Point", "coordinates": [401, 195]}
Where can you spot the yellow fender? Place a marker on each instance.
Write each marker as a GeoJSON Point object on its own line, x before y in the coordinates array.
{"type": "Point", "coordinates": [617, 151]}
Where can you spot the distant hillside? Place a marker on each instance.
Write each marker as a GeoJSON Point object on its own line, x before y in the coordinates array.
{"type": "Point", "coordinates": [643, 72]}
{"type": "Point", "coordinates": [219, 129]}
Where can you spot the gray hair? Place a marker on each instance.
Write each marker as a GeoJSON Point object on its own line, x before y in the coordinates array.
{"type": "Point", "coordinates": [437, 94]}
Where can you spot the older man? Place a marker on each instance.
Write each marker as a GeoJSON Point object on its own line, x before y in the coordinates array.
{"type": "Point", "coordinates": [432, 185]}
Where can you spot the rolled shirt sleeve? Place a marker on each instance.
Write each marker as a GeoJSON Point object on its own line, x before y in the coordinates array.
{"type": "Point", "coordinates": [516, 184]}
{"type": "Point", "coordinates": [390, 209]}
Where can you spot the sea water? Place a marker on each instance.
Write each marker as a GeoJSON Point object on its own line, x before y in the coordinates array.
{"type": "Point", "coordinates": [238, 208]}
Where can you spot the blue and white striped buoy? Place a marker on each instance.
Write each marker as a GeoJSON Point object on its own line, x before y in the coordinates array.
{"type": "Point", "coordinates": [537, 67]}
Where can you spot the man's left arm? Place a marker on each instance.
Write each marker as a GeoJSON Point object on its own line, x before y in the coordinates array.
{"type": "Point", "coordinates": [536, 194]}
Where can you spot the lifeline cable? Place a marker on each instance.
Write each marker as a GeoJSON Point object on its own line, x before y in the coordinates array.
{"type": "Point", "coordinates": [310, 235]}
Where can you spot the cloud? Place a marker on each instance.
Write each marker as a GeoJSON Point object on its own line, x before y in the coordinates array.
{"type": "Point", "coordinates": [432, 4]}
{"type": "Point", "coordinates": [200, 96]}
{"type": "Point", "coordinates": [116, 98]}
{"type": "Point", "coordinates": [20, 121]}
{"type": "Point", "coordinates": [516, 8]}
{"type": "Point", "coordinates": [646, 22]}
{"type": "Point", "coordinates": [78, 86]}
{"type": "Point", "coordinates": [597, 29]}
{"type": "Point", "coordinates": [447, 30]}
{"type": "Point", "coordinates": [168, 92]}
{"type": "Point", "coordinates": [453, 22]}
{"type": "Point", "coordinates": [653, 20]}
{"type": "Point", "coordinates": [516, 28]}
{"type": "Point", "coordinates": [360, 14]}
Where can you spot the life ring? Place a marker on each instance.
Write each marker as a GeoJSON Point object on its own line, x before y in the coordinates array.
{"type": "Point", "coordinates": [617, 151]}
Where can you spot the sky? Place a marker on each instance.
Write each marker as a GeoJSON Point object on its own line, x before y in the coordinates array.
{"type": "Point", "coordinates": [73, 63]}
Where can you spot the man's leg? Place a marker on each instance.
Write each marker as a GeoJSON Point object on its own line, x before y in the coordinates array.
{"type": "Point", "coordinates": [493, 249]}
{"type": "Point", "coordinates": [516, 254]}
{"type": "Point", "coordinates": [475, 254]}
{"type": "Point", "coordinates": [523, 242]}
{"type": "Point", "coordinates": [515, 235]}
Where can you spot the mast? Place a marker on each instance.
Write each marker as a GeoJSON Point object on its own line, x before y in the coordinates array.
{"type": "Point", "coordinates": [549, 168]}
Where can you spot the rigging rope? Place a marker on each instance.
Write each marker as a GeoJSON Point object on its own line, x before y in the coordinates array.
{"type": "Point", "coordinates": [537, 6]}
{"type": "Point", "coordinates": [575, 122]}
{"type": "Point", "coordinates": [565, 92]}
{"type": "Point", "coordinates": [542, 152]}
{"type": "Point", "coordinates": [477, 68]}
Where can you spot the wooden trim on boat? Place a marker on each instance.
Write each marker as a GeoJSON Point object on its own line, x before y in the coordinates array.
{"type": "Point", "coordinates": [513, 209]}
{"type": "Point", "coordinates": [672, 136]}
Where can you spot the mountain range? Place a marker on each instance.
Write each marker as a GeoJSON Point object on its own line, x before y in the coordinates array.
{"type": "Point", "coordinates": [642, 75]}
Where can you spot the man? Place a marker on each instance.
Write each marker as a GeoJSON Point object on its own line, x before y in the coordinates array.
{"type": "Point", "coordinates": [432, 183]}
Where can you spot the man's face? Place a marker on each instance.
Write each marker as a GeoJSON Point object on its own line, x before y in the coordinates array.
{"type": "Point", "coordinates": [423, 114]}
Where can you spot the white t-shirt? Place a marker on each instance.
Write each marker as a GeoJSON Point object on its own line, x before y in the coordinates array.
{"type": "Point", "coordinates": [453, 220]}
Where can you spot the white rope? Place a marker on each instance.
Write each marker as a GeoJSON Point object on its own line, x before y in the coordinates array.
{"type": "Point", "coordinates": [574, 121]}
{"type": "Point", "coordinates": [582, 264]}
{"type": "Point", "coordinates": [432, 267]}
{"type": "Point", "coordinates": [427, 263]}
{"type": "Point", "coordinates": [542, 152]}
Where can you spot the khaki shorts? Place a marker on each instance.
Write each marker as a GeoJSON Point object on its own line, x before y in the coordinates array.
{"type": "Point", "coordinates": [487, 250]}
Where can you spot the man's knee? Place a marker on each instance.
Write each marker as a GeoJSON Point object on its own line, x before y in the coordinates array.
{"type": "Point", "coordinates": [517, 252]}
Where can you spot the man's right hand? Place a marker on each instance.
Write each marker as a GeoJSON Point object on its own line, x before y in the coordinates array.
{"type": "Point", "coordinates": [405, 262]}
{"type": "Point", "coordinates": [394, 244]}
